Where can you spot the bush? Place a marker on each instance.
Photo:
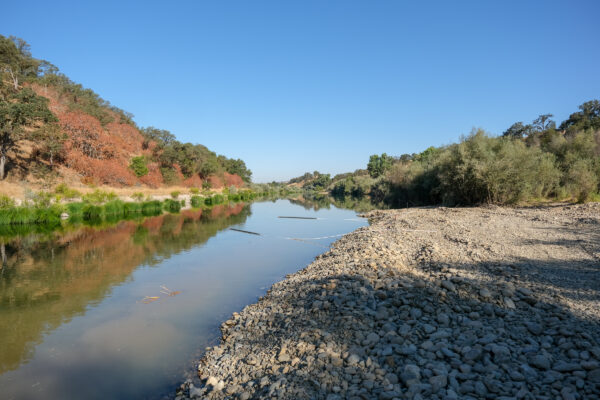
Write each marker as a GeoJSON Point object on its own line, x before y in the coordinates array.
{"type": "Point", "coordinates": [175, 194]}
{"type": "Point", "coordinates": [66, 192]}
{"type": "Point", "coordinates": [172, 205]}
{"type": "Point", "coordinates": [138, 196]}
{"type": "Point", "coordinates": [196, 201]}
{"type": "Point", "coordinates": [139, 166]}
{"type": "Point", "coordinates": [206, 185]}
{"type": "Point", "coordinates": [99, 196]}
{"type": "Point", "coordinates": [581, 181]}
{"type": "Point", "coordinates": [91, 212]}
{"type": "Point", "coordinates": [114, 208]}
{"type": "Point", "coordinates": [6, 202]}
{"type": "Point", "coordinates": [194, 190]}
{"type": "Point", "coordinates": [75, 209]}
{"type": "Point", "coordinates": [132, 208]}
{"type": "Point", "coordinates": [151, 207]}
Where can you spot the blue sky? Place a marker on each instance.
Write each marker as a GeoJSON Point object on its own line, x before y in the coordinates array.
{"type": "Point", "coordinates": [296, 86]}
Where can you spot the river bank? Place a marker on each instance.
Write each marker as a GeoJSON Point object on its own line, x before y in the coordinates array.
{"type": "Point", "coordinates": [484, 302]}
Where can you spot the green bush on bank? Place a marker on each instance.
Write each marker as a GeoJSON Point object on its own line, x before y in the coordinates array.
{"type": "Point", "coordinates": [196, 201]}
{"type": "Point", "coordinates": [171, 205]}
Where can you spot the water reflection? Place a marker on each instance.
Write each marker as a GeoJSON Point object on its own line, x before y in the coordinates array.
{"type": "Point", "coordinates": [47, 278]}
{"type": "Point", "coordinates": [73, 323]}
{"type": "Point", "coordinates": [317, 201]}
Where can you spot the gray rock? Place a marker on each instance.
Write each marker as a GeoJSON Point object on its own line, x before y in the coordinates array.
{"type": "Point", "coordinates": [540, 361]}
{"type": "Point", "coordinates": [448, 286]}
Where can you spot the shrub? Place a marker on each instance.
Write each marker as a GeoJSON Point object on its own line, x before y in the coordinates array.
{"type": "Point", "coordinates": [206, 185]}
{"type": "Point", "coordinates": [172, 205]}
{"type": "Point", "coordinates": [581, 180]}
{"type": "Point", "coordinates": [91, 212]}
{"type": "Point", "coordinates": [114, 208]}
{"type": "Point", "coordinates": [175, 194]}
{"type": "Point", "coordinates": [66, 192]}
{"type": "Point", "coordinates": [132, 208]}
{"type": "Point", "coordinates": [194, 190]}
{"type": "Point", "coordinates": [196, 201]}
{"type": "Point", "coordinates": [6, 202]}
{"type": "Point", "coordinates": [99, 196]}
{"type": "Point", "coordinates": [151, 207]}
{"type": "Point", "coordinates": [75, 209]}
{"type": "Point", "coordinates": [50, 215]}
{"type": "Point", "coordinates": [138, 166]}
{"type": "Point", "coordinates": [138, 196]}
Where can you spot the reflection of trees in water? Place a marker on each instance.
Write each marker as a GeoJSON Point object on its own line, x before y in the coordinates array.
{"type": "Point", "coordinates": [48, 278]}
{"type": "Point", "coordinates": [317, 201]}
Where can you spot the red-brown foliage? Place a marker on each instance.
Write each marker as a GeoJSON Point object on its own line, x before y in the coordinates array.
{"type": "Point", "coordinates": [232, 179]}
{"type": "Point", "coordinates": [154, 178]}
{"type": "Point", "coordinates": [215, 181]}
{"type": "Point", "coordinates": [193, 181]}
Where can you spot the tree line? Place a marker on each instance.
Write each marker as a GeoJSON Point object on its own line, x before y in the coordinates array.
{"type": "Point", "coordinates": [541, 160]}
{"type": "Point", "coordinates": [25, 115]}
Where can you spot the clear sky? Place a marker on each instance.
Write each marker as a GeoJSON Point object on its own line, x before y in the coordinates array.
{"type": "Point", "coordinates": [296, 86]}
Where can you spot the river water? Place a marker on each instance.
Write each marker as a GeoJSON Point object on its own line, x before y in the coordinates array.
{"type": "Point", "coordinates": [125, 311]}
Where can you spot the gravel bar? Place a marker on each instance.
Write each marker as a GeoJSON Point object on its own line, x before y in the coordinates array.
{"type": "Point", "coordinates": [427, 303]}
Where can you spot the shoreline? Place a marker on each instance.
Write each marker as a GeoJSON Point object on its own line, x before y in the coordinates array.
{"type": "Point", "coordinates": [483, 302]}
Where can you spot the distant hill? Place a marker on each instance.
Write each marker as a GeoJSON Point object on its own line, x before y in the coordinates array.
{"type": "Point", "coordinates": [53, 129]}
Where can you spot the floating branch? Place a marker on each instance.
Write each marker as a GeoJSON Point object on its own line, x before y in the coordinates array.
{"type": "Point", "coordinates": [248, 232]}
{"type": "Point", "coordinates": [300, 217]}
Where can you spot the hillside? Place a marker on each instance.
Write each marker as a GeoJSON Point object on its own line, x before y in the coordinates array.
{"type": "Point", "coordinates": [53, 130]}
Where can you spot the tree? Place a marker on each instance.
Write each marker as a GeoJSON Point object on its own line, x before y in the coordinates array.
{"type": "Point", "coordinates": [138, 166]}
{"type": "Point", "coordinates": [518, 130]}
{"type": "Point", "coordinates": [52, 140]}
{"type": "Point", "coordinates": [543, 122]}
{"type": "Point", "coordinates": [587, 118]}
{"type": "Point", "coordinates": [16, 60]}
{"type": "Point", "coordinates": [378, 165]}
{"type": "Point", "coordinates": [16, 112]}
{"type": "Point", "coordinates": [161, 136]}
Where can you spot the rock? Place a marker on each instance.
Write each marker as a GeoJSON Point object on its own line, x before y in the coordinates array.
{"type": "Point", "coordinates": [534, 328]}
{"type": "Point", "coordinates": [392, 378]}
{"type": "Point", "coordinates": [212, 381]}
{"type": "Point", "coordinates": [449, 286]}
{"type": "Point", "coordinates": [353, 359]}
{"type": "Point", "coordinates": [509, 303]}
{"type": "Point", "coordinates": [443, 318]}
{"type": "Point", "coordinates": [438, 382]}
{"type": "Point", "coordinates": [64, 215]}
{"type": "Point", "coordinates": [372, 337]}
{"type": "Point", "coordinates": [563, 366]}
{"type": "Point", "coordinates": [594, 376]}
{"type": "Point", "coordinates": [540, 361]}
{"type": "Point", "coordinates": [485, 293]}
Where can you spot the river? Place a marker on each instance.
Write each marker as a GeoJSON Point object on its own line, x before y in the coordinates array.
{"type": "Point", "coordinates": [126, 310]}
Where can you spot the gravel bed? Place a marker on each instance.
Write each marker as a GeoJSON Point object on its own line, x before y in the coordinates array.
{"type": "Point", "coordinates": [427, 303]}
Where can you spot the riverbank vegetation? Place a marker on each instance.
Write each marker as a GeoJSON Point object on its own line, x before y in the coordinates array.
{"type": "Point", "coordinates": [50, 124]}
{"type": "Point", "coordinates": [528, 163]}
{"type": "Point", "coordinates": [49, 207]}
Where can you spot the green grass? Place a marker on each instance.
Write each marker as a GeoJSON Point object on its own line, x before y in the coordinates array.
{"type": "Point", "coordinates": [92, 212]}
{"type": "Point", "coordinates": [74, 209]}
{"type": "Point", "coordinates": [114, 208]}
